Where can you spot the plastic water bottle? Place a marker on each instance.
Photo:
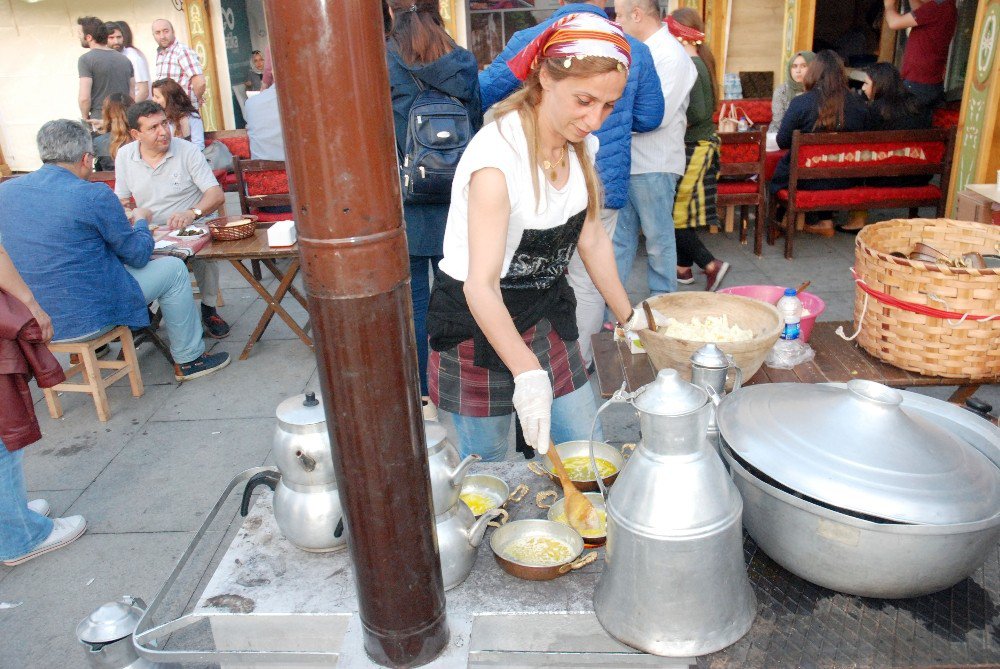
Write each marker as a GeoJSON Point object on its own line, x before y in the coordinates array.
{"type": "Point", "coordinates": [790, 308]}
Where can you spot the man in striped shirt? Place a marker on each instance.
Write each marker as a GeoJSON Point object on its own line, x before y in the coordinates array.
{"type": "Point", "coordinates": [177, 61]}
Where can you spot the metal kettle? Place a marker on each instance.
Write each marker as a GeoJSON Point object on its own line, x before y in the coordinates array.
{"type": "Point", "coordinates": [106, 636]}
{"type": "Point", "coordinates": [675, 582]}
{"type": "Point", "coordinates": [306, 502]}
{"type": "Point", "coordinates": [447, 469]}
{"type": "Point", "coordinates": [710, 367]}
{"type": "Point", "coordinates": [459, 534]}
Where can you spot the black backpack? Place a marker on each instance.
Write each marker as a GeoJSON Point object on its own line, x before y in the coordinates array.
{"type": "Point", "coordinates": [437, 132]}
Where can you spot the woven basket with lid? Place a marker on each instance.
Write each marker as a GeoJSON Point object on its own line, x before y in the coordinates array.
{"type": "Point", "coordinates": [935, 346]}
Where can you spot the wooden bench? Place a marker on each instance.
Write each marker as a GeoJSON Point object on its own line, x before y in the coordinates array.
{"type": "Point", "coordinates": [837, 361]}
{"type": "Point", "coordinates": [859, 156]}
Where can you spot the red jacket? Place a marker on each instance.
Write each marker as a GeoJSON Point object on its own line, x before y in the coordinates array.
{"type": "Point", "coordinates": [23, 354]}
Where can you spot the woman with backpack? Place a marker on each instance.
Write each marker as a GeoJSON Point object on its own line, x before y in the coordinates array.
{"type": "Point", "coordinates": [422, 56]}
{"type": "Point", "coordinates": [502, 319]}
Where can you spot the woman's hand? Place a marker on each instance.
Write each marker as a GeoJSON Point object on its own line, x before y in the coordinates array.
{"type": "Point", "coordinates": [44, 322]}
{"type": "Point", "coordinates": [533, 403]}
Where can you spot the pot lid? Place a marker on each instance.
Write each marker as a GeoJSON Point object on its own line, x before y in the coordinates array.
{"type": "Point", "coordinates": [110, 622]}
{"type": "Point", "coordinates": [670, 395]}
{"type": "Point", "coordinates": [302, 411]}
{"type": "Point", "coordinates": [435, 433]}
{"type": "Point", "coordinates": [710, 356]}
{"type": "Point", "coordinates": [859, 448]}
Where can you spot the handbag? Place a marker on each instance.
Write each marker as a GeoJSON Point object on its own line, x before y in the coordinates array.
{"type": "Point", "coordinates": [731, 121]}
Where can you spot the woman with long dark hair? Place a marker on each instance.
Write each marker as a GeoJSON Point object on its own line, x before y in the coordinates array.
{"type": "Point", "coordinates": [694, 206]}
{"type": "Point", "coordinates": [140, 66]}
{"type": "Point", "coordinates": [114, 129]}
{"type": "Point", "coordinates": [827, 106]}
{"type": "Point", "coordinates": [185, 122]}
{"type": "Point", "coordinates": [526, 195]}
{"type": "Point", "coordinates": [421, 55]}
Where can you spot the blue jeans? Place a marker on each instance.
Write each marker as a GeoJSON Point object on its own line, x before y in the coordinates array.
{"type": "Point", "coordinates": [166, 280]}
{"type": "Point", "coordinates": [21, 530]}
{"type": "Point", "coordinates": [572, 418]}
{"type": "Point", "coordinates": [420, 293]}
{"type": "Point", "coordinates": [650, 207]}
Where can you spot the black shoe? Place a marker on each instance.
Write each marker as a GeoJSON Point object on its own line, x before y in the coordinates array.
{"type": "Point", "coordinates": [202, 366]}
{"type": "Point", "coordinates": [847, 231]}
{"type": "Point", "coordinates": [216, 327]}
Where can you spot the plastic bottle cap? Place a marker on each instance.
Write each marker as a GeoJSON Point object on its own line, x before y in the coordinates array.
{"type": "Point", "coordinates": [790, 292]}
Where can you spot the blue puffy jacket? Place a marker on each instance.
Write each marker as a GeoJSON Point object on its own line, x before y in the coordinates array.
{"type": "Point", "coordinates": [640, 108]}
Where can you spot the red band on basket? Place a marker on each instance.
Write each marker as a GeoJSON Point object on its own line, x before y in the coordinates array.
{"type": "Point", "coordinates": [922, 309]}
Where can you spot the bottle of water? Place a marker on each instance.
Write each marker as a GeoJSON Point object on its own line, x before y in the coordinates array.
{"type": "Point", "coordinates": [790, 308]}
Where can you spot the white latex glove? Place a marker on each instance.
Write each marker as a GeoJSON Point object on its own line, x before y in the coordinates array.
{"type": "Point", "coordinates": [533, 403]}
{"type": "Point", "coordinates": [638, 321]}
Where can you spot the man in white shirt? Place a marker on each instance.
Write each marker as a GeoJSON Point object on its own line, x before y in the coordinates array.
{"type": "Point", "coordinates": [658, 156]}
{"type": "Point", "coordinates": [264, 126]}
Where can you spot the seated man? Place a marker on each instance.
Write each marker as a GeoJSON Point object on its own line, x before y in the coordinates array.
{"type": "Point", "coordinates": [87, 265]}
{"type": "Point", "coordinates": [172, 179]}
{"type": "Point", "coordinates": [264, 126]}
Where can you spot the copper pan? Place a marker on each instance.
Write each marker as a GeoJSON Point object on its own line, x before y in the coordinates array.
{"type": "Point", "coordinates": [518, 529]}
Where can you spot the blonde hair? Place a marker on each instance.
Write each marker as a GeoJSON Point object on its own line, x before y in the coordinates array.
{"type": "Point", "coordinates": [525, 102]}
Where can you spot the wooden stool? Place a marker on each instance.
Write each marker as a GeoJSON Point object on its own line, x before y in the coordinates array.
{"type": "Point", "coordinates": [89, 368]}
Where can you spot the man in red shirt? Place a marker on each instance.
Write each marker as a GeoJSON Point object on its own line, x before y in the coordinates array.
{"type": "Point", "coordinates": [932, 24]}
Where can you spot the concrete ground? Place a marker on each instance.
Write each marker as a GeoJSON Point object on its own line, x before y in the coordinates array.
{"type": "Point", "coordinates": [146, 479]}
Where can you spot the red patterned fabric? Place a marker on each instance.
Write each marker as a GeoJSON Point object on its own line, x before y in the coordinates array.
{"type": "Point", "coordinates": [834, 156]}
{"type": "Point", "coordinates": [268, 217]}
{"type": "Point", "coordinates": [268, 182]}
{"type": "Point", "coordinates": [739, 153]}
{"type": "Point", "coordinates": [238, 146]}
{"type": "Point", "coordinates": [860, 198]}
{"type": "Point", "coordinates": [737, 188]}
{"type": "Point", "coordinates": [945, 118]}
{"type": "Point", "coordinates": [758, 109]}
{"type": "Point", "coordinates": [228, 182]}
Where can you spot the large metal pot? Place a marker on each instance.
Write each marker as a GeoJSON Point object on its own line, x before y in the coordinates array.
{"type": "Point", "coordinates": [864, 489]}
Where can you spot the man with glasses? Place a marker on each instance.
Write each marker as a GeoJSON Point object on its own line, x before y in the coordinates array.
{"type": "Point", "coordinates": [172, 178]}
{"type": "Point", "coordinates": [88, 265]}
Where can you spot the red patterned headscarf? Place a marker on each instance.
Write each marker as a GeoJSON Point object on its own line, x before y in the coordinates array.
{"type": "Point", "coordinates": [683, 33]}
{"type": "Point", "coordinates": [573, 36]}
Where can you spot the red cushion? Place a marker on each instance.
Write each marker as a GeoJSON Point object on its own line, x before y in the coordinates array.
{"type": "Point", "coordinates": [228, 181]}
{"type": "Point", "coordinates": [239, 146]}
{"type": "Point", "coordinates": [833, 156]}
{"type": "Point", "coordinates": [945, 118]}
{"type": "Point", "coordinates": [861, 197]}
{"type": "Point", "coordinates": [267, 182]}
{"type": "Point", "coordinates": [267, 216]}
{"type": "Point", "coordinates": [739, 153]}
{"type": "Point", "coordinates": [737, 187]}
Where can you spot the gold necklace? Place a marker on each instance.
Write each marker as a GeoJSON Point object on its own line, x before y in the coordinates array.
{"type": "Point", "coordinates": [552, 167]}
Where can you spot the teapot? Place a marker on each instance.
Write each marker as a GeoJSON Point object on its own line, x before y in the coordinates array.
{"type": "Point", "coordinates": [309, 516]}
{"type": "Point", "coordinates": [458, 537]}
{"type": "Point", "coordinates": [301, 442]}
{"type": "Point", "coordinates": [106, 635]}
{"type": "Point", "coordinates": [710, 367]}
{"type": "Point", "coordinates": [447, 470]}
{"type": "Point", "coordinates": [675, 583]}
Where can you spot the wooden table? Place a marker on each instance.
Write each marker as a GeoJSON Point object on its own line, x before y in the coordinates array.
{"type": "Point", "coordinates": [837, 361]}
{"type": "Point", "coordinates": [255, 248]}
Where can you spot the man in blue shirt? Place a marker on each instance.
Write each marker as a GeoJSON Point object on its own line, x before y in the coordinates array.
{"type": "Point", "coordinates": [639, 109]}
{"type": "Point", "coordinates": [88, 266]}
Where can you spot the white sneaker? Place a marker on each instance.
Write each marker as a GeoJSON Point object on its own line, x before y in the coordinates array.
{"type": "Point", "coordinates": [64, 531]}
{"type": "Point", "coordinates": [39, 506]}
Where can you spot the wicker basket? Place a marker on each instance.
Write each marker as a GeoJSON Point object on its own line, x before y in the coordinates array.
{"type": "Point", "coordinates": [935, 345]}
{"type": "Point", "coordinates": [231, 228]}
{"type": "Point", "coordinates": [667, 352]}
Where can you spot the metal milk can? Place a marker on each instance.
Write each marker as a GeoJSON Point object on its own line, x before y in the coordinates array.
{"type": "Point", "coordinates": [675, 583]}
{"type": "Point", "coordinates": [710, 367]}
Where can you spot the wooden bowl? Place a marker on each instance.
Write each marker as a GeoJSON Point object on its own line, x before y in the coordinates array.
{"type": "Point", "coordinates": [670, 353]}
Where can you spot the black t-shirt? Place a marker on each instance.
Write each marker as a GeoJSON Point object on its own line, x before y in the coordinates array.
{"type": "Point", "coordinates": [110, 72]}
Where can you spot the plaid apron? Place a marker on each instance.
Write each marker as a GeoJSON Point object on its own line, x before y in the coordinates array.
{"type": "Point", "coordinates": [457, 385]}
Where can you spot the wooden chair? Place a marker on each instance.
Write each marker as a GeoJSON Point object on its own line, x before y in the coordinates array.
{"type": "Point", "coordinates": [262, 183]}
{"type": "Point", "coordinates": [89, 368]}
{"type": "Point", "coordinates": [741, 157]}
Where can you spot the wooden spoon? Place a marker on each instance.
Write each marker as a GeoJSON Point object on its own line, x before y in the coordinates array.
{"type": "Point", "coordinates": [580, 513]}
{"type": "Point", "coordinates": [650, 319]}
{"type": "Point", "coordinates": [798, 291]}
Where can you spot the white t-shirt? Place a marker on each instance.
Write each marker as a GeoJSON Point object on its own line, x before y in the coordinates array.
{"type": "Point", "coordinates": [139, 66]}
{"type": "Point", "coordinates": [662, 150]}
{"type": "Point", "coordinates": [542, 236]}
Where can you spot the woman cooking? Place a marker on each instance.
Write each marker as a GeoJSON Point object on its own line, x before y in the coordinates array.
{"type": "Point", "coordinates": [502, 317]}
